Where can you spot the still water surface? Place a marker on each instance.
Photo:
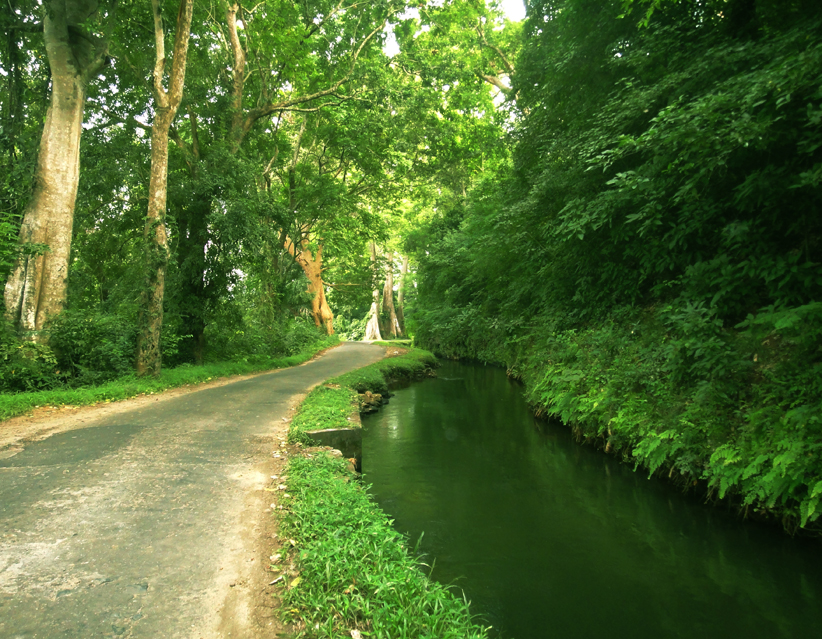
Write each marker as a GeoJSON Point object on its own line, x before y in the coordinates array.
{"type": "Point", "coordinates": [552, 539]}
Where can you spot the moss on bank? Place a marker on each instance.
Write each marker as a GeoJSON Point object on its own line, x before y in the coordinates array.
{"type": "Point", "coordinates": [12, 405]}
{"type": "Point", "coordinates": [355, 571]}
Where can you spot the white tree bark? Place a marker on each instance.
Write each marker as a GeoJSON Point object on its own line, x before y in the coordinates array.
{"type": "Point", "coordinates": [372, 328]}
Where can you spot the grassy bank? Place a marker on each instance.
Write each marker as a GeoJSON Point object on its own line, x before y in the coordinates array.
{"type": "Point", "coordinates": [12, 405]}
{"type": "Point", "coordinates": [330, 405]}
{"type": "Point", "coordinates": [355, 570]}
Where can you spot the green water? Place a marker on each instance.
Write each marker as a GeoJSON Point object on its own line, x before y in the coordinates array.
{"type": "Point", "coordinates": [548, 538]}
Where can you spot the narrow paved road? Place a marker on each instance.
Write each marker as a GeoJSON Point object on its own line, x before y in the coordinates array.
{"type": "Point", "coordinates": [152, 522]}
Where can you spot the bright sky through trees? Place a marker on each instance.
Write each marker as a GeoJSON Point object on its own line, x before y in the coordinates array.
{"type": "Point", "coordinates": [513, 9]}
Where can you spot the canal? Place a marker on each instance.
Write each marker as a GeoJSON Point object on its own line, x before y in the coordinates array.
{"type": "Point", "coordinates": [548, 538]}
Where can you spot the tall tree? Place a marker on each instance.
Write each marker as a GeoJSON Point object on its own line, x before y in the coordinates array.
{"type": "Point", "coordinates": [372, 329]}
{"type": "Point", "coordinates": [166, 103]}
{"type": "Point", "coordinates": [36, 289]}
{"type": "Point", "coordinates": [265, 61]}
{"type": "Point", "coordinates": [389, 312]}
{"type": "Point", "coordinates": [401, 295]}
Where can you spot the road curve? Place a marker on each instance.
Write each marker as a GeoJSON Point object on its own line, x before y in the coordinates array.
{"type": "Point", "coordinates": [150, 523]}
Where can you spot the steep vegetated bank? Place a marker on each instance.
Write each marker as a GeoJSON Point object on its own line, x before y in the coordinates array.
{"type": "Point", "coordinates": [649, 262]}
{"type": "Point", "coordinates": [356, 574]}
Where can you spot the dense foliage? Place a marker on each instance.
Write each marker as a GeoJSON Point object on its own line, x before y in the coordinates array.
{"type": "Point", "coordinates": [649, 260]}
{"type": "Point", "coordinates": [297, 144]}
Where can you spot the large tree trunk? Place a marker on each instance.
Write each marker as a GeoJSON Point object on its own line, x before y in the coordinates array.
{"type": "Point", "coordinates": [372, 328]}
{"type": "Point", "coordinates": [149, 357]}
{"type": "Point", "coordinates": [312, 266]}
{"type": "Point", "coordinates": [319, 305]}
{"type": "Point", "coordinates": [401, 296]}
{"type": "Point", "coordinates": [393, 326]}
{"type": "Point", "coordinates": [36, 289]}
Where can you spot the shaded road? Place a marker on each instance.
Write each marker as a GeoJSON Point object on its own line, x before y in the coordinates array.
{"type": "Point", "coordinates": [151, 522]}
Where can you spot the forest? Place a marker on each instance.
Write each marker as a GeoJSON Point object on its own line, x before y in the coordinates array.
{"type": "Point", "coordinates": [617, 200]}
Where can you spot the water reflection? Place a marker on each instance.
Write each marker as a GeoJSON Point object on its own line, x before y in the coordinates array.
{"type": "Point", "coordinates": [552, 539]}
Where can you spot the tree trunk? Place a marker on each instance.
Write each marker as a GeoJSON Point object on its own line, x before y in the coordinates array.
{"type": "Point", "coordinates": [149, 356]}
{"type": "Point", "coordinates": [36, 289]}
{"type": "Point", "coordinates": [393, 326]}
{"type": "Point", "coordinates": [319, 305]}
{"type": "Point", "coordinates": [401, 296]}
{"type": "Point", "coordinates": [372, 328]}
{"type": "Point", "coordinates": [312, 267]}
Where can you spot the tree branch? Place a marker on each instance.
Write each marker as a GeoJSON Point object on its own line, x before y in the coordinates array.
{"type": "Point", "coordinates": [238, 80]}
{"type": "Point", "coordinates": [293, 104]}
{"type": "Point", "coordinates": [160, 94]}
{"type": "Point", "coordinates": [506, 63]}
{"type": "Point", "coordinates": [178, 64]}
{"type": "Point", "coordinates": [496, 81]}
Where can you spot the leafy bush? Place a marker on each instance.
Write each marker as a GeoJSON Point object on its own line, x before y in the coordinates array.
{"type": "Point", "coordinates": [26, 366]}
{"type": "Point", "coordinates": [352, 330]}
{"type": "Point", "coordinates": [93, 347]}
{"type": "Point", "coordinates": [252, 342]}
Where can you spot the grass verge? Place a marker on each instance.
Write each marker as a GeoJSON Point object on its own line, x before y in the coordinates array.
{"type": "Point", "coordinates": [329, 405]}
{"type": "Point", "coordinates": [356, 576]}
{"type": "Point", "coordinates": [394, 342]}
{"type": "Point", "coordinates": [12, 405]}
{"type": "Point", "coordinates": [355, 572]}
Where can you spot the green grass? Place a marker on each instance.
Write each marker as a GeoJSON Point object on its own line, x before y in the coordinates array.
{"type": "Point", "coordinates": [323, 408]}
{"type": "Point", "coordinates": [329, 405]}
{"type": "Point", "coordinates": [376, 377]}
{"type": "Point", "coordinates": [131, 386]}
{"type": "Point", "coordinates": [394, 342]}
{"type": "Point", "coordinates": [355, 571]}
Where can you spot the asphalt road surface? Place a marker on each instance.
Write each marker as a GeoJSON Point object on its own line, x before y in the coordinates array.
{"type": "Point", "coordinates": [153, 522]}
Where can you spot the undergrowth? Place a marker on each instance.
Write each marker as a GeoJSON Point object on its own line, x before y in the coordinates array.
{"type": "Point", "coordinates": [355, 570]}
{"type": "Point", "coordinates": [12, 405]}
